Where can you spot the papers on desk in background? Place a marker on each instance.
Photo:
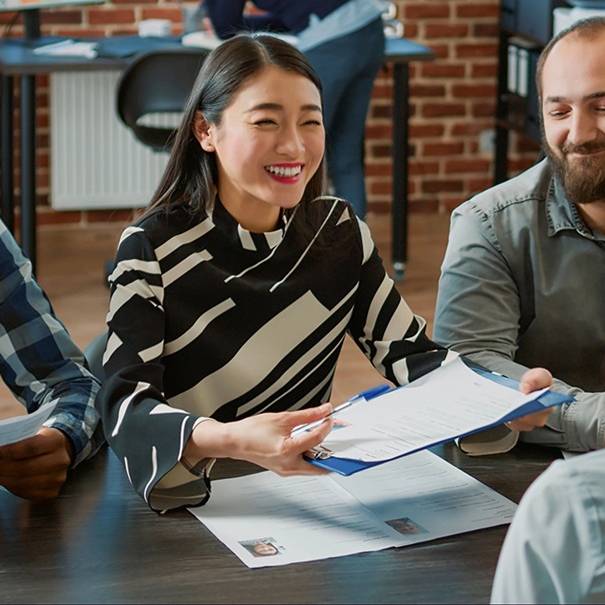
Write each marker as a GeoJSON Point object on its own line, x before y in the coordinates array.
{"type": "Point", "coordinates": [201, 40]}
{"type": "Point", "coordinates": [21, 427]}
{"type": "Point", "coordinates": [209, 41]}
{"type": "Point", "coordinates": [68, 48]}
{"type": "Point", "coordinates": [123, 46]}
{"type": "Point", "coordinates": [268, 520]}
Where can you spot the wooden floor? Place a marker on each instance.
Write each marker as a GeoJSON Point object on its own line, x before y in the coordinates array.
{"type": "Point", "coordinates": [71, 272]}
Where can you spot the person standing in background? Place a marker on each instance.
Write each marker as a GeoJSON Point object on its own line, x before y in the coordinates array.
{"type": "Point", "coordinates": [330, 33]}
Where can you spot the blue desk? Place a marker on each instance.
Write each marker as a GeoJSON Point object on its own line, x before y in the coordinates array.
{"type": "Point", "coordinates": [18, 60]}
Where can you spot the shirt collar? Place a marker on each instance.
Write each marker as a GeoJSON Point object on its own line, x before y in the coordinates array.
{"type": "Point", "coordinates": [243, 238]}
{"type": "Point", "coordinates": [562, 214]}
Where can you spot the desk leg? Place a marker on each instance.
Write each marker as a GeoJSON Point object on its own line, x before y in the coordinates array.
{"type": "Point", "coordinates": [28, 168]}
{"type": "Point", "coordinates": [501, 147]}
{"type": "Point", "coordinates": [6, 145]}
{"type": "Point", "coordinates": [399, 209]}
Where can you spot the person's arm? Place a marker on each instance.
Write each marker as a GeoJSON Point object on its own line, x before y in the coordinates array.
{"type": "Point", "coordinates": [228, 19]}
{"type": "Point", "coordinates": [384, 327]}
{"type": "Point", "coordinates": [553, 549]}
{"type": "Point", "coordinates": [165, 451]}
{"type": "Point", "coordinates": [395, 340]}
{"type": "Point", "coordinates": [146, 435]}
{"type": "Point", "coordinates": [40, 361]}
{"type": "Point", "coordinates": [478, 314]}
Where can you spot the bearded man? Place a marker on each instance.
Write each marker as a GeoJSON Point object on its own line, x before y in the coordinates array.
{"type": "Point", "coordinates": [523, 279]}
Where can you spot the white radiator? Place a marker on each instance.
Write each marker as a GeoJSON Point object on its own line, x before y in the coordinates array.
{"type": "Point", "coordinates": [95, 161]}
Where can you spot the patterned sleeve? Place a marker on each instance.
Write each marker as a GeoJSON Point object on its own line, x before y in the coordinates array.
{"type": "Point", "coordinates": [146, 433]}
{"type": "Point", "coordinates": [40, 362]}
{"type": "Point", "coordinates": [384, 327]}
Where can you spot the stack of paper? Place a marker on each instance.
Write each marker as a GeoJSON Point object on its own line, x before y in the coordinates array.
{"type": "Point", "coordinates": [203, 39]}
{"type": "Point", "coordinates": [69, 48]}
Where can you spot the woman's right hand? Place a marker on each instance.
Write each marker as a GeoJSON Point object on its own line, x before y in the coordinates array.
{"type": "Point", "coordinates": [264, 440]}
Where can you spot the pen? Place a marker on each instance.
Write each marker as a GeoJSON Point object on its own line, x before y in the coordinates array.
{"type": "Point", "coordinates": [366, 395]}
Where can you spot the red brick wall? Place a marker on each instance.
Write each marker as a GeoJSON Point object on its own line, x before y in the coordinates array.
{"type": "Point", "coordinates": [453, 100]}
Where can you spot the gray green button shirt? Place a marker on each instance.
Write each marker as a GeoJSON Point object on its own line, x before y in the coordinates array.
{"type": "Point", "coordinates": [523, 285]}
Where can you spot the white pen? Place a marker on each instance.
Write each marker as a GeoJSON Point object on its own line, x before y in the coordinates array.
{"type": "Point", "coordinates": [364, 395]}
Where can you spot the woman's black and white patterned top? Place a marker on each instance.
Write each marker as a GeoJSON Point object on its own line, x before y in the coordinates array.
{"type": "Point", "coordinates": [208, 319]}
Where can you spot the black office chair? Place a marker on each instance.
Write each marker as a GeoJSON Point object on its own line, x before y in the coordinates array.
{"type": "Point", "coordinates": [154, 83]}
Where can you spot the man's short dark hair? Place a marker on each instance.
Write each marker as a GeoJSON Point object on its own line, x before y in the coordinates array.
{"type": "Point", "coordinates": [585, 28]}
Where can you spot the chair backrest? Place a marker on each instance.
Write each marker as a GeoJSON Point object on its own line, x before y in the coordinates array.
{"type": "Point", "coordinates": [93, 354]}
{"type": "Point", "coordinates": [157, 82]}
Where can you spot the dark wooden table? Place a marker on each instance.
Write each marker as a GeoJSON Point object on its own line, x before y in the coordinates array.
{"type": "Point", "coordinates": [99, 543]}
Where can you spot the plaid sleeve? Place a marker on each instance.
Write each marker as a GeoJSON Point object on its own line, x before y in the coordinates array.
{"type": "Point", "coordinates": [38, 360]}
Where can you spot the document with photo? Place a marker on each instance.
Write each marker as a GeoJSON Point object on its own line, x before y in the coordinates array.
{"type": "Point", "coordinates": [268, 520]}
{"type": "Point", "coordinates": [423, 497]}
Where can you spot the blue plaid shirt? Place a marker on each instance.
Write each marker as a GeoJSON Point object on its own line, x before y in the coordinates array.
{"type": "Point", "coordinates": [39, 361]}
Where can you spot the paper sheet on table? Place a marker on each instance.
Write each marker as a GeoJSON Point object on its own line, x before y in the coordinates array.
{"type": "Point", "coordinates": [268, 520]}
{"type": "Point", "coordinates": [204, 39]}
{"type": "Point", "coordinates": [21, 427]}
{"type": "Point", "coordinates": [69, 48]}
{"type": "Point", "coordinates": [446, 403]}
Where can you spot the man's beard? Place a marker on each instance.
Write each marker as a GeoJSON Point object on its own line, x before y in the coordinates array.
{"type": "Point", "coordinates": [584, 177]}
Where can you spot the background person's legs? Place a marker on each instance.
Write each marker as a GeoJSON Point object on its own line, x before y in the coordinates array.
{"type": "Point", "coordinates": [347, 67]}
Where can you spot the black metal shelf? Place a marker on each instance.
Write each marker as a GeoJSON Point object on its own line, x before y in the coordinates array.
{"type": "Point", "coordinates": [530, 21]}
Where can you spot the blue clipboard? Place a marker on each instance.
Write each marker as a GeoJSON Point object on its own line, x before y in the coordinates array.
{"type": "Point", "coordinates": [347, 466]}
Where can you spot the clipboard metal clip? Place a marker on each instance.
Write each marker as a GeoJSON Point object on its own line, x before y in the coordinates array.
{"type": "Point", "coordinates": [320, 452]}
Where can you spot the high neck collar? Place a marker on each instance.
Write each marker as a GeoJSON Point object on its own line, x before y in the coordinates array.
{"type": "Point", "coordinates": [244, 238]}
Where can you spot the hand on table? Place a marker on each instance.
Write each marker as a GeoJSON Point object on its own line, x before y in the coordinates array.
{"type": "Point", "coordinates": [532, 380]}
{"type": "Point", "coordinates": [36, 468]}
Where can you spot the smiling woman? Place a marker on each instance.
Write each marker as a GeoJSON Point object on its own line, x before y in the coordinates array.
{"type": "Point", "coordinates": [268, 145]}
{"type": "Point", "coordinates": [232, 296]}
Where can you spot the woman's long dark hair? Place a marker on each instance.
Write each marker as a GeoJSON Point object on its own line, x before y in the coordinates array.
{"type": "Point", "coordinates": [191, 175]}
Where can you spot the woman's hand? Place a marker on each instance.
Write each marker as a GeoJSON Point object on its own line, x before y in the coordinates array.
{"type": "Point", "coordinates": [264, 439]}
{"type": "Point", "coordinates": [532, 380]}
